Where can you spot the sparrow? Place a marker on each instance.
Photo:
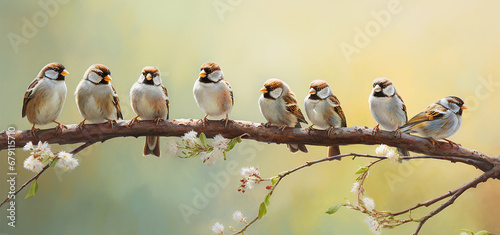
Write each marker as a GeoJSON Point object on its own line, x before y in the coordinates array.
{"type": "Point", "coordinates": [96, 98]}
{"type": "Point", "coordinates": [324, 111]}
{"type": "Point", "coordinates": [212, 93]}
{"type": "Point", "coordinates": [387, 107]}
{"type": "Point", "coordinates": [279, 107]}
{"type": "Point", "coordinates": [45, 97]}
{"type": "Point", "coordinates": [149, 101]}
{"type": "Point", "coordinates": [439, 120]}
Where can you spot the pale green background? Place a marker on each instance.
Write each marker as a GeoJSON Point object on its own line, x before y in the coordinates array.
{"type": "Point", "coordinates": [430, 50]}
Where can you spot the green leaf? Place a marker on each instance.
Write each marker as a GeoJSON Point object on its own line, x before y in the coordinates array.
{"type": "Point", "coordinates": [482, 232]}
{"type": "Point", "coordinates": [362, 170]}
{"type": "Point", "coordinates": [262, 210]}
{"type": "Point", "coordinates": [224, 156]}
{"type": "Point", "coordinates": [231, 144]}
{"type": "Point", "coordinates": [53, 163]}
{"type": "Point", "coordinates": [275, 180]}
{"type": "Point", "coordinates": [203, 139]}
{"type": "Point", "coordinates": [33, 189]}
{"type": "Point", "coordinates": [334, 209]}
{"type": "Point", "coordinates": [469, 232]}
{"type": "Point", "coordinates": [267, 200]}
{"type": "Point", "coordinates": [238, 139]}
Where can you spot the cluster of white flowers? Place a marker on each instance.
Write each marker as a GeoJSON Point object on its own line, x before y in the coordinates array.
{"type": "Point", "coordinates": [191, 139]}
{"type": "Point", "coordinates": [249, 171]}
{"type": "Point", "coordinates": [384, 150]}
{"type": "Point", "coordinates": [218, 228]}
{"type": "Point", "coordinates": [251, 176]}
{"type": "Point", "coordinates": [66, 161]}
{"type": "Point", "coordinates": [221, 142]}
{"type": "Point", "coordinates": [41, 155]}
{"type": "Point", "coordinates": [211, 157]}
{"type": "Point", "coordinates": [369, 203]}
{"type": "Point", "coordinates": [355, 187]}
{"type": "Point", "coordinates": [238, 217]}
{"type": "Point", "coordinates": [374, 225]}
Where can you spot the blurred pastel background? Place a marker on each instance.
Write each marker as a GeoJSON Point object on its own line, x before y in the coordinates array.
{"type": "Point", "coordinates": [428, 49]}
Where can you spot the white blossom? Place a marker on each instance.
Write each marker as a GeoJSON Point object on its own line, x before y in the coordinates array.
{"type": "Point", "coordinates": [212, 157]}
{"type": "Point", "coordinates": [382, 150]}
{"type": "Point", "coordinates": [238, 217]}
{"type": "Point", "coordinates": [28, 146]}
{"type": "Point", "coordinates": [249, 183]}
{"type": "Point", "coordinates": [191, 139]}
{"type": "Point", "coordinates": [33, 164]}
{"type": "Point", "coordinates": [218, 228]}
{"type": "Point", "coordinates": [249, 171]}
{"type": "Point", "coordinates": [373, 225]}
{"type": "Point", "coordinates": [221, 142]}
{"type": "Point", "coordinates": [369, 203]}
{"type": "Point", "coordinates": [172, 148]}
{"type": "Point", "coordinates": [393, 157]}
{"type": "Point", "coordinates": [66, 161]}
{"type": "Point", "coordinates": [355, 187]}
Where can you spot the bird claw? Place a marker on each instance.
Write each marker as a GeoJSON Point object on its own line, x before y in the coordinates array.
{"type": "Point", "coordinates": [34, 131]}
{"type": "Point", "coordinates": [375, 129]}
{"type": "Point", "coordinates": [282, 128]}
{"type": "Point", "coordinates": [158, 120]}
{"type": "Point", "coordinates": [397, 133]}
{"type": "Point", "coordinates": [111, 122]}
{"type": "Point", "coordinates": [434, 142]}
{"type": "Point", "coordinates": [330, 130]}
{"type": "Point", "coordinates": [308, 129]}
{"type": "Point", "coordinates": [453, 144]}
{"type": "Point", "coordinates": [266, 125]}
{"type": "Point", "coordinates": [226, 120]}
{"type": "Point", "coordinates": [132, 122]}
{"type": "Point", "coordinates": [60, 127]}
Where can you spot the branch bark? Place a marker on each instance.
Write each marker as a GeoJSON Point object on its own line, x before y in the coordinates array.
{"type": "Point", "coordinates": [257, 132]}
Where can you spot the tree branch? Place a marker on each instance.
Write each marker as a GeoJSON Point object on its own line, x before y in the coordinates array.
{"type": "Point", "coordinates": [255, 131]}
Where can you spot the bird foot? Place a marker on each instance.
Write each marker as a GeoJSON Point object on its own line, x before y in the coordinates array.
{"type": "Point", "coordinates": [158, 120]}
{"type": "Point", "coordinates": [282, 128]}
{"type": "Point", "coordinates": [434, 142]}
{"type": "Point", "coordinates": [111, 122]}
{"type": "Point", "coordinates": [397, 133]}
{"type": "Point", "coordinates": [309, 128]}
{"type": "Point", "coordinates": [375, 129]}
{"type": "Point", "coordinates": [453, 144]}
{"type": "Point", "coordinates": [132, 122]}
{"type": "Point", "coordinates": [60, 127]}
{"type": "Point", "coordinates": [330, 130]}
{"type": "Point", "coordinates": [34, 131]}
{"type": "Point", "coordinates": [81, 125]}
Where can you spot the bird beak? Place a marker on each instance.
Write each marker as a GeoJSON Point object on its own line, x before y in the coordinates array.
{"type": "Point", "coordinates": [377, 88]}
{"type": "Point", "coordinates": [65, 72]}
{"type": "Point", "coordinates": [149, 77]}
{"type": "Point", "coordinates": [464, 107]}
{"type": "Point", "coordinates": [203, 74]}
{"type": "Point", "coordinates": [312, 91]}
{"type": "Point", "coordinates": [263, 90]}
{"type": "Point", "coordinates": [107, 78]}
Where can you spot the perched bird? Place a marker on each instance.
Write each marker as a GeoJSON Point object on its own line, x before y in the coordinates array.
{"type": "Point", "coordinates": [324, 111]}
{"type": "Point", "coordinates": [279, 106]}
{"type": "Point", "coordinates": [212, 93]}
{"type": "Point", "coordinates": [387, 107]}
{"type": "Point", "coordinates": [96, 98]}
{"type": "Point", "coordinates": [45, 97]}
{"type": "Point", "coordinates": [438, 121]}
{"type": "Point", "coordinates": [149, 100]}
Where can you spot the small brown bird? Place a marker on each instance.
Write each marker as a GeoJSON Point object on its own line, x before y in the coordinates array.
{"type": "Point", "coordinates": [45, 97]}
{"type": "Point", "coordinates": [96, 98]}
{"type": "Point", "coordinates": [212, 93]}
{"type": "Point", "coordinates": [279, 106]}
{"type": "Point", "coordinates": [324, 111]}
{"type": "Point", "coordinates": [387, 107]}
{"type": "Point", "coordinates": [149, 99]}
{"type": "Point", "coordinates": [438, 121]}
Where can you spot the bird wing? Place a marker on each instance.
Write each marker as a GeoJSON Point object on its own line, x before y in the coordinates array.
{"type": "Point", "coordinates": [335, 104]}
{"type": "Point", "coordinates": [28, 95]}
{"type": "Point", "coordinates": [166, 101]}
{"type": "Point", "coordinates": [292, 107]}
{"type": "Point", "coordinates": [433, 111]}
{"type": "Point", "coordinates": [404, 106]}
{"type": "Point", "coordinates": [230, 90]}
{"type": "Point", "coordinates": [116, 103]}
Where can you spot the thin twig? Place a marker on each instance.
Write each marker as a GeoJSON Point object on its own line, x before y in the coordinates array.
{"type": "Point", "coordinates": [75, 151]}
{"type": "Point", "coordinates": [246, 226]}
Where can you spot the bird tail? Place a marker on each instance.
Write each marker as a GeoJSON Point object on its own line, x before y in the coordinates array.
{"type": "Point", "coordinates": [296, 147]}
{"type": "Point", "coordinates": [403, 151]}
{"type": "Point", "coordinates": [152, 146]}
{"type": "Point", "coordinates": [333, 150]}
